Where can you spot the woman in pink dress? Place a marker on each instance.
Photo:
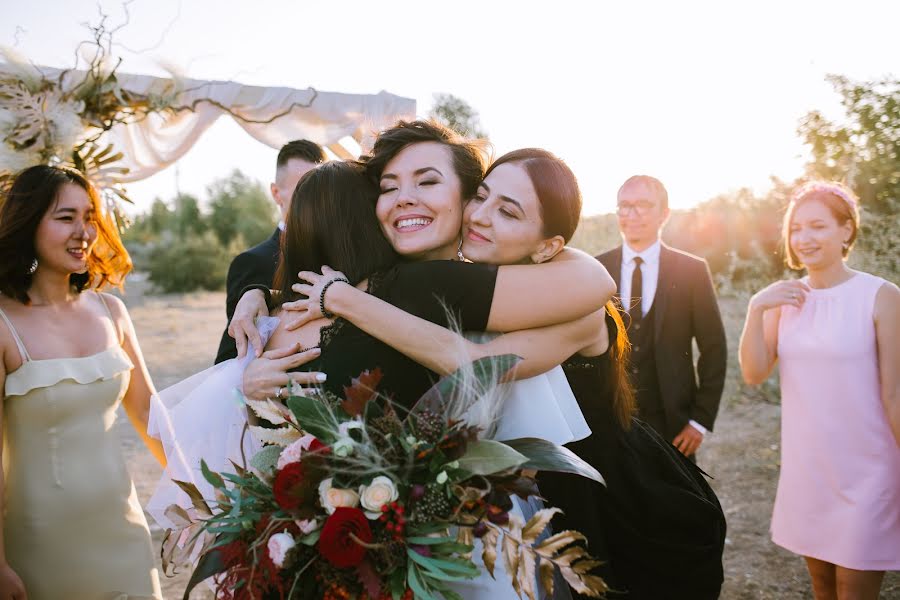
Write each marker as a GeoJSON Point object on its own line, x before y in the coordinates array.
{"type": "Point", "coordinates": [834, 334]}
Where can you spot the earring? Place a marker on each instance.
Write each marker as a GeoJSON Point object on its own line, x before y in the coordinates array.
{"type": "Point", "coordinates": [459, 254]}
{"type": "Point", "coordinates": [33, 267]}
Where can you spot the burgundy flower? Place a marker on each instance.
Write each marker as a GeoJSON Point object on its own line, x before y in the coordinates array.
{"type": "Point", "coordinates": [291, 487]}
{"type": "Point", "coordinates": [336, 543]}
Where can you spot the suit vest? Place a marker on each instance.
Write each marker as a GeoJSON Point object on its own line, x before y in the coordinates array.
{"type": "Point", "coordinates": [642, 372]}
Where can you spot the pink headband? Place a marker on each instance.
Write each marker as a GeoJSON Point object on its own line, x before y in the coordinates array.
{"type": "Point", "coordinates": [833, 188]}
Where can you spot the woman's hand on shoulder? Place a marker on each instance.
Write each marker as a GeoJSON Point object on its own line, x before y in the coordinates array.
{"type": "Point", "coordinates": [11, 586]}
{"type": "Point", "coordinates": [789, 292]}
{"type": "Point", "coordinates": [312, 285]}
{"type": "Point", "coordinates": [268, 376]}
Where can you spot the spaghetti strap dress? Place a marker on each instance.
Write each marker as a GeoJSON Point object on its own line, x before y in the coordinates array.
{"type": "Point", "coordinates": [73, 526]}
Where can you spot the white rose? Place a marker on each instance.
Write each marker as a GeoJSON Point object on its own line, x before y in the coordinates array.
{"type": "Point", "coordinates": [332, 497]}
{"type": "Point", "coordinates": [279, 545]}
{"type": "Point", "coordinates": [375, 495]}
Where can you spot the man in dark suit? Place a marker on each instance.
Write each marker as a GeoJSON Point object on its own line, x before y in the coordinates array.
{"type": "Point", "coordinates": [256, 266]}
{"type": "Point", "coordinates": [670, 301]}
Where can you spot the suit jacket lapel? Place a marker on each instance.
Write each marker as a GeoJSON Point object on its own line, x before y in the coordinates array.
{"type": "Point", "coordinates": [664, 283]}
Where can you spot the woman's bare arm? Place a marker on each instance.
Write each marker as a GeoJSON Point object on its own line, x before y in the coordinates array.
{"type": "Point", "coordinates": [140, 389]}
{"type": "Point", "coordinates": [11, 585]}
{"type": "Point", "coordinates": [887, 324]}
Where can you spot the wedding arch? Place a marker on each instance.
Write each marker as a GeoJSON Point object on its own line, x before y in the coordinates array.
{"type": "Point", "coordinates": [120, 128]}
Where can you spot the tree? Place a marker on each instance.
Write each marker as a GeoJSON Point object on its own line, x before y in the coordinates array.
{"type": "Point", "coordinates": [188, 218]}
{"type": "Point", "coordinates": [864, 150]}
{"type": "Point", "coordinates": [239, 206]}
{"type": "Point", "coordinates": [457, 114]}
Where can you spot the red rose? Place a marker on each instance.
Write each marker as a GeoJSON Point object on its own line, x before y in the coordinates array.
{"type": "Point", "coordinates": [291, 487]}
{"type": "Point", "coordinates": [336, 544]}
{"type": "Point", "coordinates": [317, 446]}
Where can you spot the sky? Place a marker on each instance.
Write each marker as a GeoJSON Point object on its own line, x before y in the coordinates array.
{"type": "Point", "coordinates": [706, 96]}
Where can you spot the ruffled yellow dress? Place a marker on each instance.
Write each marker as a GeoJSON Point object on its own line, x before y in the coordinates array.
{"type": "Point", "coordinates": [73, 527]}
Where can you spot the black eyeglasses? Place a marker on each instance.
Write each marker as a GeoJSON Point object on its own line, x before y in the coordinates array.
{"type": "Point", "coordinates": [640, 207]}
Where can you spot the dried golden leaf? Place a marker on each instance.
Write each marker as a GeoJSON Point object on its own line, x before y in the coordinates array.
{"type": "Point", "coordinates": [266, 409]}
{"type": "Point", "coordinates": [570, 555]}
{"type": "Point", "coordinates": [526, 574]}
{"type": "Point", "coordinates": [553, 544]}
{"type": "Point", "coordinates": [489, 549]}
{"type": "Point", "coordinates": [587, 585]}
{"type": "Point", "coordinates": [537, 524]}
{"type": "Point", "coordinates": [179, 517]}
{"type": "Point", "coordinates": [511, 558]}
{"type": "Point", "coordinates": [546, 571]}
{"type": "Point", "coordinates": [586, 566]}
{"type": "Point", "coordinates": [285, 436]}
{"type": "Point", "coordinates": [196, 497]}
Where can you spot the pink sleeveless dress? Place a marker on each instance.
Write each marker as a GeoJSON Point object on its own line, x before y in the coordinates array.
{"type": "Point", "coordinates": [838, 494]}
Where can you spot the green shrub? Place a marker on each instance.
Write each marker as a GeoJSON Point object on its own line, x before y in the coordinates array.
{"type": "Point", "coordinates": [196, 262]}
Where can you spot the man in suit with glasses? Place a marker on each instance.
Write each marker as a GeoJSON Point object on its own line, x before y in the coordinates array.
{"type": "Point", "coordinates": [669, 299]}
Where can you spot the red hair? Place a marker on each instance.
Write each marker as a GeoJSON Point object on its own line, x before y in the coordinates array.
{"type": "Point", "coordinates": [841, 203]}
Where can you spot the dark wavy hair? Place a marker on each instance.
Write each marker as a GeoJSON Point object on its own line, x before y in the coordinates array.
{"type": "Point", "coordinates": [469, 156]}
{"type": "Point", "coordinates": [31, 194]}
{"type": "Point", "coordinates": [332, 222]}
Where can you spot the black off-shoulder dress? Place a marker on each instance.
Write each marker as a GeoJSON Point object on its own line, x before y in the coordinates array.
{"type": "Point", "coordinates": [657, 523]}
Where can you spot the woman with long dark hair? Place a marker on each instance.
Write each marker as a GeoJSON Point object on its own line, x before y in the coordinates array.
{"type": "Point", "coordinates": [73, 527]}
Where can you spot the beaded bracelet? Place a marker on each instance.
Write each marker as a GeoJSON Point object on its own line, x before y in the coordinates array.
{"type": "Point", "coordinates": [325, 313]}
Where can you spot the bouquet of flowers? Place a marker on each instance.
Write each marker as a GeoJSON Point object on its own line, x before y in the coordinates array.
{"type": "Point", "coordinates": [352, 499]}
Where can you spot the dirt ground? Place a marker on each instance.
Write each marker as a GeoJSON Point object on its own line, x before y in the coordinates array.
{"type": "Point", "coordinates": [179, 335]}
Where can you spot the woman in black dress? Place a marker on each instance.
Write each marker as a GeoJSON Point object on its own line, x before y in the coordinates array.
{"type": "Point", "coordinates": [657, 523]}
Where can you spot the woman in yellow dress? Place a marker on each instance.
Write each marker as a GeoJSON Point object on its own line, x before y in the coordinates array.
{"type": "Point", "coordinates": [72, 525]}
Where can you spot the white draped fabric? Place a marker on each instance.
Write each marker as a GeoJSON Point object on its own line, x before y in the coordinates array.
{"type": "Point", "coordinates": [272, 115]}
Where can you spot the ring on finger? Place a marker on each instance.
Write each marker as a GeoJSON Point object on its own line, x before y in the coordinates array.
{"type": "Point", "coordinates": [279, 393]}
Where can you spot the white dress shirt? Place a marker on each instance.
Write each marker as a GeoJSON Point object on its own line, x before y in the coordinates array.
{"type": "Point", "coordinates": [649, 274]}
{"type": "Point", "coordinates": [650, 280]}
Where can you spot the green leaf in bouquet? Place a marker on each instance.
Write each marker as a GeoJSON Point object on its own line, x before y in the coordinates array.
{"type": "Point", "coordinates": [429, 572]}
{"type": "Point", "coordinates": [265, 460]}
{"type": "Point", "coordinates": [209, 564]}
{"type": "Point", "coordinates": [450, 548]}
{"type": "Point", "coordinates": [446, 592]}
{"type": "Point", "coordinates": [310, 539]}
{"type": "Point", "coordinates": [314, 417]}
{"type": "Point", "coordinates": [450, 566]}
{"type": "Point", "coordinates": [485, 457]}
{"type": "Point", "coordinates": [414, 580]}
{"type": "Point", "coordinates": [424, 540]}
{"type": "Point", "coordinates": [460, 388]}
{"type": "Point", "coordinates": [547, 456]}
{"type": "Point", "coordinates": [212, 477]}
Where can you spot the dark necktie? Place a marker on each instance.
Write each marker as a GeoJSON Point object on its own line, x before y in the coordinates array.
{"type": "Point", "coordinates": [635, 309]}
